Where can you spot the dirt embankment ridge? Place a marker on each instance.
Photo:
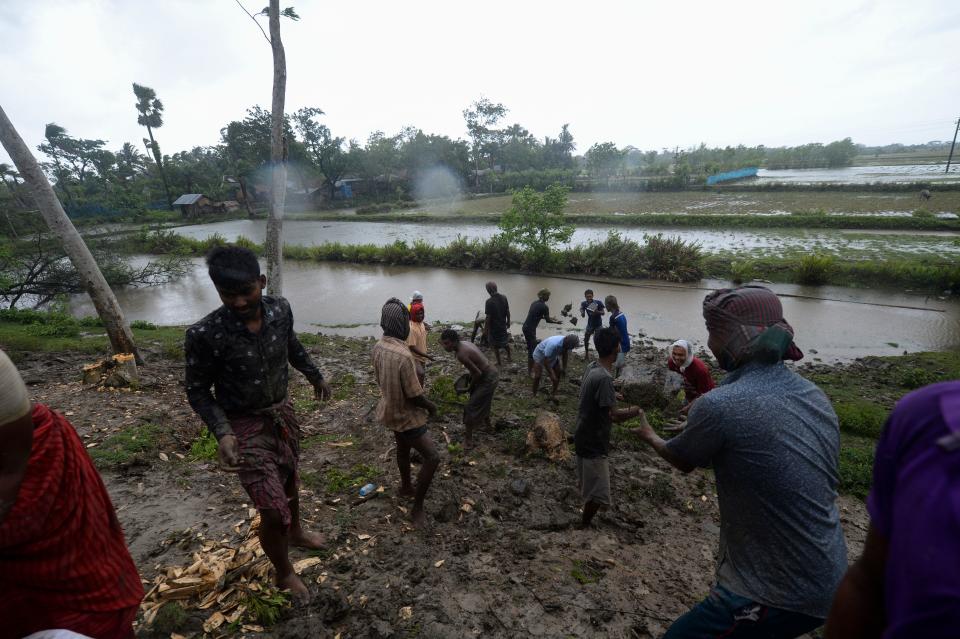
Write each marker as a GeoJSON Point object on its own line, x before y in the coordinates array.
{"type": "Point", "coordinates": [501, 557]}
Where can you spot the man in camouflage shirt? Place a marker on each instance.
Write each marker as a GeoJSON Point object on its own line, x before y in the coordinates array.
{"type": "Point", "coordinates": [242, 350]}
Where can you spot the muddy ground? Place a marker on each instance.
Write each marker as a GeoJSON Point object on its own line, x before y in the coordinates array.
{"type": "Point", "coordinates": [500, 558]}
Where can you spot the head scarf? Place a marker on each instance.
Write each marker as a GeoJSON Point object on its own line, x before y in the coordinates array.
{"type": "Point", "coordinates": [14, 402]}
{"type": "Point", "coordinates": [747, 324]}
{"type": "Point", "coordinates": [416, 306]}
{"type": "Point", "coordinates": [685, 345]}
{"type": "Point", "coordinates": [417, 296]}
{"type": "Point", "coordinates": [395, 319]}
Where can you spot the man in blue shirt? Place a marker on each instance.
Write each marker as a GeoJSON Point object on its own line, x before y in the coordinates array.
{"type": "Point", "coordinates": [593, 310]}
{"type": "Point", "coordinates": [551, 354]}
{"type": "Point", "coordinates": [618, 321]}
{"type": "Point", "coordinates": [772, 440]}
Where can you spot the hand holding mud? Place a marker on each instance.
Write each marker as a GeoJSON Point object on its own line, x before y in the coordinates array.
{"type": "Point", "coordinates": [228, 453]}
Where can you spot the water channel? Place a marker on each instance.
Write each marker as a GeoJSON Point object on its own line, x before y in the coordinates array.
{"type": "Point", "coordinates": [345, 299]}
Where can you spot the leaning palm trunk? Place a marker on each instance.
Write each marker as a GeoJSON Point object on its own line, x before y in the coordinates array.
{"type": "Point", "coordinates": [73, 245]}
{"type": "Point", "coordinates": [278, 160]}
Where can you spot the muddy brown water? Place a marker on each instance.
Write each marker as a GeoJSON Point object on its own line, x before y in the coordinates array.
{"type": "Point", "coordinates": [831, 323]}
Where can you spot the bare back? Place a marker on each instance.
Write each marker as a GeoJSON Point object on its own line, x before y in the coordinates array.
{"type": "Point", "coordinates": [473, 358]}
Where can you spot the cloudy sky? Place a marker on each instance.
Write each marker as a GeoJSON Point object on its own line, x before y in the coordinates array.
{"type": "Point", "coordinates": [648, 73]}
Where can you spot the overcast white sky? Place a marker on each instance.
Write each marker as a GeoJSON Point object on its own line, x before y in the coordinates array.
{"type": "Point", "coordinates": [648, 73]}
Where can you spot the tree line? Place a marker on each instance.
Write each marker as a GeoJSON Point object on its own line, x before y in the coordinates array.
{"type": "Point", "coordinates": [94, 181]}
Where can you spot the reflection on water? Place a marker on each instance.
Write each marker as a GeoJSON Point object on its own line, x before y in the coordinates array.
{"type": "Point", "coordinates": [346, 299]}
{"type": "Point", "coordinates": [314, 232]}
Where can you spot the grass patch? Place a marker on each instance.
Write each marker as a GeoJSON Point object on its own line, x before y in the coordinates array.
{"type": "Point", "coordinates": [170, 618]}
{"type": "Point", "coordinates": [861, 417]}
{"type": "Point", "coordinates": [443, 394]}
{"type": "Point", "coordinates": [343, 386]}
{"type": "Point", "coordinates": [856, 465]}
{"type": "Point", "coordinates": [204, 447]}
{"type": "Point", "coordinates": [583, 573]}
{"type": "Point", "coordinates": [136, 443]}
{"type": "Point", "coordinates": [338, 480]}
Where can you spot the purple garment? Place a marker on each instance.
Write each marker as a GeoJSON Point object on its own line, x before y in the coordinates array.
{"type": "Point", "coordinates": [915, 505]}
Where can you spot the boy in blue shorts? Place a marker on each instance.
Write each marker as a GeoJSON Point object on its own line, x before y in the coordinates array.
{"type": "Point", "coordinates": [593, 310]}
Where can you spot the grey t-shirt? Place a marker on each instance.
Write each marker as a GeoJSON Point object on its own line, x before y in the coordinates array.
{"type": "Point", "coordinates": [597, 397]}
{"type": "Point", "coordinates": [773, 440]}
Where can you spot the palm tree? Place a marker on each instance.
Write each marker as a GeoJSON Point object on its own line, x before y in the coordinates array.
{"type": "Point", "coordinates": [7, 170]}
{"type": "Point", "coordinates": [150, 110]}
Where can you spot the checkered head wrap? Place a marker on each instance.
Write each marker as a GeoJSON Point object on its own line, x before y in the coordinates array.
{"type": "Point", "coordinates": [395, 319]}
{"type": "Point", "coordinates": [747, 324]}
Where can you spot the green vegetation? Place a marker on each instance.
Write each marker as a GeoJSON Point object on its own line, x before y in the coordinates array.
{"type": "Point", "coordinates": [171, 617]}
{"type": "Point", "coordinates": [536, 221]}
{"type": "Point", "coordinates": [266, 605]}
{"type": "Point", "coordinates": [133, 444]}
{"type": "Point", "coordinates": [864, 392]}
{"type": "Point", "coordinates": [917, 273]}
{"type": "Point", "coordinates": [204, 447]}
{"type": "Point", "coordinates": [442, 393]}
{"type": "Point", "coordinates": [814, 270]}
{"type": "Point", "coordinates": [24, 331]}
{"type": "Point", "coordinates": [339, 480]}
{"type": "Point", "coordinates": [584, 573]}
{"type": "Point", "coordinates": [343, 386]}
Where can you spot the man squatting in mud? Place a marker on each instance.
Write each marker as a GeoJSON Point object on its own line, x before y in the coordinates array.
{"type": "Point", "coordinates": [403, 407]}
{"type": "Point", "coordinates": [483, 381]}
{"type": "Point", "coordinates": [242, 350]}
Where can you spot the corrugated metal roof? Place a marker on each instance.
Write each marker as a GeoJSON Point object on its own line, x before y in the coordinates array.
{"type": "Point", "coordinates": [188, 198]}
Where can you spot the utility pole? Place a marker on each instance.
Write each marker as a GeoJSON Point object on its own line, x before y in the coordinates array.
{"type": "Point", "coordinates": [953, 144]}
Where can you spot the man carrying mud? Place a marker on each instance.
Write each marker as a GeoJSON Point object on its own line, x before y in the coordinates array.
{"type": "Point", "coordinates": [403, 408]}
{"type": "Point", "coordinates": [483, 382]}
{"type": "Point", "coordinates": [242, 349]}
{"type": "Point", "coordinates": [595, 418]}
{"type": "Point", "coordinates": [538, 311]}
{"type": "Point", "coordinates": [773, 442]}
{"type": "Point", "coordinates": [496, 328]}
{"type": "Point", "coordinates": [551, 354]}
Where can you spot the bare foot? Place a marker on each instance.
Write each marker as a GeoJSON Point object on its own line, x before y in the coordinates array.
{"type": "Point", "coordinates": [406, 492]}
{"type": "Point", "coordinates": [298, 590]}
{"type": "Point", "coordinates": [308, 540]}
{"type": "Point", "coordinates": [418, 518]}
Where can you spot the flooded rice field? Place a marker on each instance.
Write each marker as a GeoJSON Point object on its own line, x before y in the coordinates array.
{"type": "Point", "coordinates": [859, 175]}
{"type": "Point", "coordinates": [315, 232]}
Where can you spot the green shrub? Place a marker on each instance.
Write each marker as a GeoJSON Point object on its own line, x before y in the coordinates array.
{"type": "Point", "coordinates": [916, 377]}
{"type": "Point", "coordinates": [861, 418]}
{"type": "Point", "coordinates": [742, 271]}
{"type": "Point", "coordinates": [814, 269]}
{"type": "Point", "coordinates": [856, 466]}
{"type": "Point", "coordinates": [143, 325]}
{"type": "Point", "coordinates": [204, 447]}
{"type": "Point", "coordinates": [922, 213]}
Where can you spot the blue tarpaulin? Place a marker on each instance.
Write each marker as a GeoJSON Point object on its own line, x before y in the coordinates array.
{"type": "Point", "coordinates": [739, 174]}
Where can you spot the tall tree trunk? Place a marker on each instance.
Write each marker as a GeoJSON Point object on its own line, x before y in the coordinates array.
{"type": "Point", "coordinates": [278, 161]}
{"type": "Point", "coordinates": [159, 160]}
{"type": "Point", "coordinates": [93, 281]}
